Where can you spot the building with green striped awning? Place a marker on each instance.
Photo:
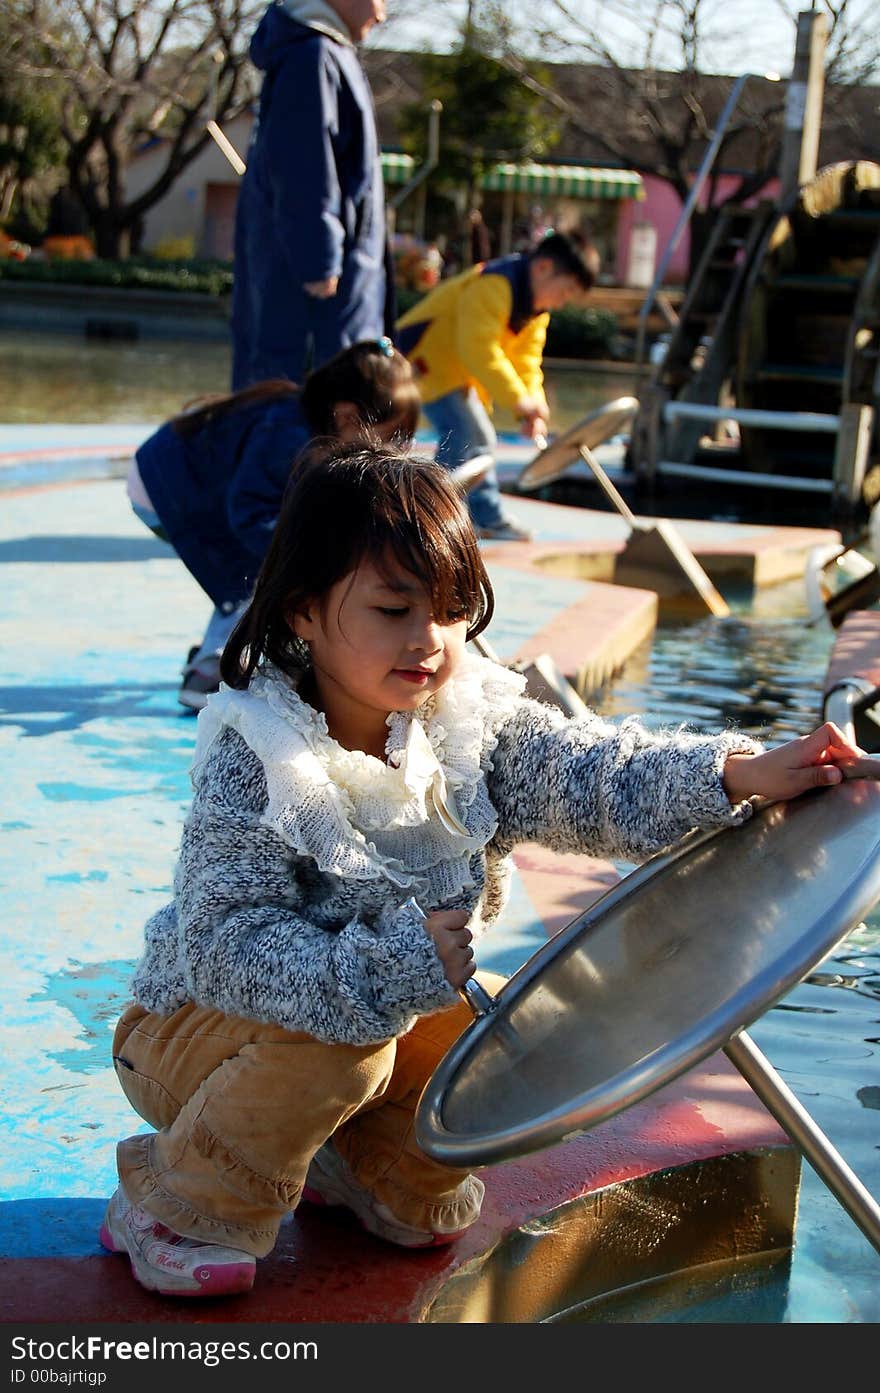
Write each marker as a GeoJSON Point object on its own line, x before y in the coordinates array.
{"type": "Point", "coordinates": [564, 180]}
{"type": "Point", "coordinates": [561, 180]}
{"type": "Point", "coordinates": [396, 168]}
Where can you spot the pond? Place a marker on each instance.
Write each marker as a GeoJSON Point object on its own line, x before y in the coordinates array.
{"type": "Point", "coordinates": [61, 377]}
{"type": "Point", "coordinates": [761, 669]}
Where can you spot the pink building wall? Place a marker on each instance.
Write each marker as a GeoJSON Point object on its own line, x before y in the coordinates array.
{"type": "Point", "coordinates": [661, 207]}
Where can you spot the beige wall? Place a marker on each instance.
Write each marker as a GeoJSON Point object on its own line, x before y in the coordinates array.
{"type": "Point", "coordinates": [200, 203]}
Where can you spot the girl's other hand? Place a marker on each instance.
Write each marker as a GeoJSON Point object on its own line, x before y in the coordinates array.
{"type": "Point", "coordinates": [452, 941]}
{"type": "Point", "coordinates": [811, 761]}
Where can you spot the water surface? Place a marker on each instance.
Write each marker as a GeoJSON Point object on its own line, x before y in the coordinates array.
{"type": "Point", "coordinates": [762, 670]}
{"type": "Point", "coordinates": [65, 377]}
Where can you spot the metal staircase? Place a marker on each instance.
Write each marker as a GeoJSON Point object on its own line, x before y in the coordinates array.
{"type": "Point", "coordinates": [779, 339]}
{"type": "Point", "coordinates": [809, 337]}
{"type": "Point", "coordinates": [696, 364]}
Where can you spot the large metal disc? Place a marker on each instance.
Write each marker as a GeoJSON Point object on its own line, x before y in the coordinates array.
{"type": "Point", "coordinates": [665, 969]}
{"type": "Point", "coordinates": [553, 461]}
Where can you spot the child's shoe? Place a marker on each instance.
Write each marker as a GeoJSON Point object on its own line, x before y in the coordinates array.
{"type": "Point", "coordinates": [166, 1262]}
{"type": "Point", "coordinates": [200, 680]}
{"type": "Point", "coordinates": [506, 530]}
{"type": "Point", "coordinates": [330, 1181]}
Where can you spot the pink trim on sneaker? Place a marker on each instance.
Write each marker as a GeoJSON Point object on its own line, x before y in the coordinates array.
{"type": "Point", "coordinates": [167, 1262]}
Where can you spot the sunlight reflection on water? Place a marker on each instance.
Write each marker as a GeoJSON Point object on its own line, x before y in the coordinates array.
{"type": "Point", "coordinates": [762, 670]}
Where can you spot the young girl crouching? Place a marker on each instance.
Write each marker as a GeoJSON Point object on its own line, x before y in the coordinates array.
{"type": "Point", "coordinates": [291, 1002]}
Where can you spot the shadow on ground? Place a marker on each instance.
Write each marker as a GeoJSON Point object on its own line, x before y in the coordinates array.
{"type": "Point", "coordinates": [78, 549]}
{"type": "Point", "coordinates": [48, 710]}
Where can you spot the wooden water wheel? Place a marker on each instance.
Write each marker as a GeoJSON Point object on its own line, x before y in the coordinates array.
{"type": "Point", "coordinates": [809, 337]}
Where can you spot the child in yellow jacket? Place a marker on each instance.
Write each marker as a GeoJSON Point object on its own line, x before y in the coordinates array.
{"type": "Point", "coordinates": [478, 338]}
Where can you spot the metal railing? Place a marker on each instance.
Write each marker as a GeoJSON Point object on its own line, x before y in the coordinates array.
{"type": "Point", "coordinates": [847, 697]}
{"type": "Point", "coordinates": [688, 207]}
{"type": "Point", "coordinates": [753, 416]}
{"type": "Point", "coordinates": [421, 174]}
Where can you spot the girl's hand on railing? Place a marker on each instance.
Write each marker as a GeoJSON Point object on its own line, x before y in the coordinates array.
{"type": "Point", "coordinates": [811, 761]}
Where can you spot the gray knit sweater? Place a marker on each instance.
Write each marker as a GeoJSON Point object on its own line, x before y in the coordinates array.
{"type": "Point", "coordinates": [297, 856]}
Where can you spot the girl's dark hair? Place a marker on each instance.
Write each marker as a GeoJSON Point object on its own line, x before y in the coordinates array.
{"type": "Point", "coordinates": [375, 377]}
{"type": "Point", "coordinates": [371, 374]}
{"type": "Point", "coordinates": [343, 506]}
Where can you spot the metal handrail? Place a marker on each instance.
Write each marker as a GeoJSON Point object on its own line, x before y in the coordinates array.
{"type": "Point", "coordinates": [430, 163]}
{"type": "Point", "coordinates": [844, 699]}
{"type": "Point", "coordinates": [817, 421]}
{"type": "Point", "coordinates": [688, 206]}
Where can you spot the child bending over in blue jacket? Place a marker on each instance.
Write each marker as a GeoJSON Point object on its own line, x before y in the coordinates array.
{"type": "Point", "coordinates": [210, 481]}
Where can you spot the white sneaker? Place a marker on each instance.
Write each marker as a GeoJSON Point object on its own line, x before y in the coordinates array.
{"type": "Point", "coordinates": [504, 531]}
{"type": "Point", "coordinates": [472, 472]}
{"type": "Point", "coordinates": [164, 1261]}
{"type": "Point", "coordinates": [330, 1181]}
{"type": "Point", "coordinates": [200, 680]}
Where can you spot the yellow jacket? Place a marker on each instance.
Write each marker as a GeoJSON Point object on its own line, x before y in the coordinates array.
{"type": "Point", "coordinates": [478, 329]}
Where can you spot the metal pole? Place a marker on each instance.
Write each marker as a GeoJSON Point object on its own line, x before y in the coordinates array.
{"type": "Point", "coordinates": [828, 1164]}
{"type": "Point", "coordinates": [753, 416]}
{"type": "Point", "coordinates": [433, 155]}
{"type": "Point", "coordinates": [803, 105]}
{"type": "Point", "coordinates": [227, 147]}
{"type": "Point", "coordinates": [212, 126]}
{"type": "Point", "coordinates": [687, 208]}
{"type": "Point", "coordinates": [613, 495]}
{"type": "Point", "coordinates": [755, 479]}
{"type": "Point", "coordinates": [843, 699]}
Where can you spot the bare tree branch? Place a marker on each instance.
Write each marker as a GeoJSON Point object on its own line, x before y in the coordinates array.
{"type": "Point", "coordinates": [129, 70]}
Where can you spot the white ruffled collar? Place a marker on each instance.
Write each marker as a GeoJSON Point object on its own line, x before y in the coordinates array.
{"type": "Point", "coordinates": [416, 818]}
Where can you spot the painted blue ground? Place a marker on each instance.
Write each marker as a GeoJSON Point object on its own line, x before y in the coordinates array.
{"type": "Point", "coordinates": [95, 618]}
{"type": "Point", "coordinates": [106, 440]}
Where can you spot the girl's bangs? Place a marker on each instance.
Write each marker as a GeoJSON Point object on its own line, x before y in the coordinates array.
{"type": "Point", "coordinates": [442, 555]}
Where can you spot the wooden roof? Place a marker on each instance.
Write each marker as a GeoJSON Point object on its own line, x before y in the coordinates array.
{"type": "Point", "coordinates": [851, 126]}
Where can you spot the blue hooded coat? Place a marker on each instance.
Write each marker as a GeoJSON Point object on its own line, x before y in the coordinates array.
{"type": "Point", "coordinates": [311, 206]}
{"type": "Point", "coordinates": [218, 489]}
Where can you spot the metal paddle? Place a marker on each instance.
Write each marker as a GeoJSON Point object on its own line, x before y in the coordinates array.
{"type": "Point", "coordinates": [670, 965]}
{"type": "Point", "coordinates": [656, 556]}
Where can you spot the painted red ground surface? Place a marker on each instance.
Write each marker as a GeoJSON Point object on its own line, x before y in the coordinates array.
{"type": "Point", "coordinates": [326, 1269]}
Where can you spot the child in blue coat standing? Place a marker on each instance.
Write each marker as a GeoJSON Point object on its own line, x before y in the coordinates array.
{"type": "Point", "coordinates": [309, 270]}
{"type": "Point", "coordinates": [211, 480]}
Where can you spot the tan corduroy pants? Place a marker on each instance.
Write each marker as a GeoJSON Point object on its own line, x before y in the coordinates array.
{"type": "Point", "coordinates": [240, 1108]}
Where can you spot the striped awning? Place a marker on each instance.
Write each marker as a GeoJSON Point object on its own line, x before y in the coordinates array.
{"type": "Point", "coordinates": [396, 168]}
{"type": "Point", "coordinates": [570, 180]}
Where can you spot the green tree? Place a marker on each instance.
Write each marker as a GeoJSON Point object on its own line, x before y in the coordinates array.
{"type": "Point", "coordinates": [30, 135]}
{"type": "Point", "coordinates": [488, 114]}
{"type": "Point", "coordinates": [648, 63]}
